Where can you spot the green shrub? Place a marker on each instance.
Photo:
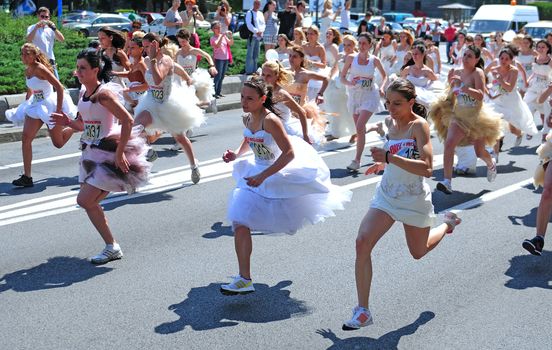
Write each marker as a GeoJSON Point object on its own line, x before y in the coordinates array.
{"type": "Point", "coordinates": [545, 10]}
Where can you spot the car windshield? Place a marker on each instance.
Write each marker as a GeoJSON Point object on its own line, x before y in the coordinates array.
{"type": "Point", "coordinates": [487, 26]}
{"type": "Point", "coordinates": [537, 32]}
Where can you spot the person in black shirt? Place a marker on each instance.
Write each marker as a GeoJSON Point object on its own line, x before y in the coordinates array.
{"type": "Point", "coordinates": [287, 19]}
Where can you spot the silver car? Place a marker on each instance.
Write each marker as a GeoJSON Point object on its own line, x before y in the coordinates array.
{"type": "Point", "coordinates": [91, 26]}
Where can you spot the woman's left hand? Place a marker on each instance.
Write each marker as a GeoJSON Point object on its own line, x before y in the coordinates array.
{"type": "Point", "coordinates": [255, 181]}
{"type": "Point", "coordinates": [375, 168]}
{"type": "Point", "coordinates": [378, 154]}
{"type": "Point", "coordinates": [212, 71]}
{"type": "Point", "coordinates": [121, 162]}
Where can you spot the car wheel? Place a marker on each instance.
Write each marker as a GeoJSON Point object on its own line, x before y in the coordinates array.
{"type": "Point", "coordinates": [84, 33]}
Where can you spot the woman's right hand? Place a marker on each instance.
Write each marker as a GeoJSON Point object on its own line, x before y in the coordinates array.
{"type": "Point", "coordinates": [375, 168]}
{"type": "Point", "coordinates": [229, 156]}
{"type": "Point", "coordinates": [60, 119]}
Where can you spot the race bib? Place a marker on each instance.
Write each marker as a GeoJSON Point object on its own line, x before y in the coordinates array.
{"type": "Point", "coordinates": [38, 96]}
{"type": "Point", "coordinates": [541, 79]}
{"type": "Point", "coordinates": [498, 88]}
{"type": "Point", "coordinates": [92, 131]}
{"type": "Point", "coordinates": [260, 150]}
{"type": "Point", "coordinates": [466, 100]}
{"type": "Point", "coordinates": [365, 83]}
{"type": "Point", "coordinates": [157, 93]}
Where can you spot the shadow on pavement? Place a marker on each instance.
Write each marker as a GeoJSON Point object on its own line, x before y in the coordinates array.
{"type": "Point", "coordinates": [529, 271]}
{"type": "Point", "coordinates": [140, 198]}
{"type": "Point", "coordinates": [206, 308]}
{"type": "Point", "coordinates": [521, 150]}
{"type": "Point", "coordinates": [57, 272]}
{"type": "Point", "coordinates": [387, 341]}
{"type": "Point", "coordinates": [219, 230]}
{"type": "Point", "coordinates": [442, 201]}
{"type": "Point", "coordinates": [7, 189]}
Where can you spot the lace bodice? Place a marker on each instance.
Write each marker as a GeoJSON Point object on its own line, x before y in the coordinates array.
{"type": "Point", "coordinates": [386, 52]}
{"type": "Point", "coordinates": [263, 146]}
{"type": "Point", "coordinates": [189, 63]}
{"type": "Point", "coordinates": [397, 182]}
{"type": "Point", "coordinates": [160, 92]}
{"type": "Point", "coordinates": [526, 62]}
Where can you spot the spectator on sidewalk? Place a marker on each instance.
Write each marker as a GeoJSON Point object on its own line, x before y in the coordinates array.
{"type": "Point", "coordinates": [271, 21]}
{"type": "Point", "coordinates": [173, 21]}
{"type": "Point", "coordinates": [345, 17]}
{"type": "Point", "coordinates": [436, 32]}
{"type": "Point", "coordinates": [287, 19]}
{"type": "Point", "coordinates": [190, 16]}
{"type": "Point", "coordinates": [450, 37]}
{"type": "Point", "coordinates": [221, 43]}
{"type": "Point", "coordinates": [43, 34]}
{"type": "Point", "coordinates": [301, 9]}
{"type": "Point", "coordinates": [422, 29]}
{"type": "Point", "coordinates": [254, 20]}
{"type": "Point", "coordinates": [224, 16]}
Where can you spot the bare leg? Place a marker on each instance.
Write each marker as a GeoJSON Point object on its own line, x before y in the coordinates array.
{"type": "Point", "coordinates": [244, 246]}
{"type": "Point", "coordinates": [373, 226]}
{"type": "Point", "coordinates": [454, 135]}
{"type": "Point", "coordinates": [514, 130]}
{"type": "Point", "coordinates": [421, 240]}
{"type": "Point", "coordinates": [187, 146]}
{"type": "Point", "coordinates": [60, 135]}
{"type": "Point", "coordinates": [545, 205]}
{"type": "Point", "coordinates": [89, 199]}
{"type": "Point", "coordinates": [482, 153]}
{"type": "Point", "coordinates": [30, 129]}
{"type": "Point", "coordinates": [360, 123]}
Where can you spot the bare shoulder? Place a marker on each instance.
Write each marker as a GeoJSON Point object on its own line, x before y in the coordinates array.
{"type": "Point", "coordinates": [104, 95]}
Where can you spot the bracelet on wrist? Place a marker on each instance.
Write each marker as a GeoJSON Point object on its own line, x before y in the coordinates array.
{"type": "Point", "coordinates": [387, 157]}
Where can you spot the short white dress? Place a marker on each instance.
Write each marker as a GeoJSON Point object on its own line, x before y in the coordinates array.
{"type": "Point", "coordinates": [526, 62]}
{"type": "Point", "coordinates": [203, 83]}
{"type": "Point", "coordinates": [542, 75]}
{"type": "Point", "coordinates": [335, 106]}
{"type": "Point", "coordinates": [513, 109]}
{"type": "Point", "coordinates": [364, 96]}
{"type": "Point", "coordinates": [173, 107]}
{"type": "Point", "coordinates": [299, 194]}
{"type": "Point", "coordinates": [404, 196]}
{"type": "Point", "coordinates": [41, 104]}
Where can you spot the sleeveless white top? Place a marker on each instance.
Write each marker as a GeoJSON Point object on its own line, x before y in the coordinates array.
{"type": "Point", "coordinates": [98, 121]}
{"type": "Point", "coordinates": [41, 88]}
{"type": "Point", "coordinates": [387, 51]}
{"type": "Point", "coordinates": [189, 63]}
{"type": "Point", "coordinates": [160, 93]}
{"type": "Point", "coordinates": [365, 72]}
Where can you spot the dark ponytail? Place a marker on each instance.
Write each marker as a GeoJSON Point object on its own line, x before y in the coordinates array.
{"type": "Point", "coordinates": [98, 60]}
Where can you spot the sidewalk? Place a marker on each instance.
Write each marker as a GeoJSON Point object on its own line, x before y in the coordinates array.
{"type": "Point", "coordinates": [10, 133]}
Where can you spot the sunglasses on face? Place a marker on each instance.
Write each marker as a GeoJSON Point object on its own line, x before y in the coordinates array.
{"type": "Point", "coordinates": [44, 17]}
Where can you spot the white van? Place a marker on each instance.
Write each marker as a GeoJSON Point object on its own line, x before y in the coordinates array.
{"type": "Point", "coordinates": [501, 18]}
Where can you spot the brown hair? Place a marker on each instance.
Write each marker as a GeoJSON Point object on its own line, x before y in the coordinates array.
{"type": "Point", "coordinates": [262, 89]}
{"type": "Point", "coordinates": [337, 36]}
{"type": "Point", "coordinates": [408, 91]}
{"type": "Point", "coordinates": [299, 50]}
{"type": "Point", "coordinates": [154, 37]}
{"type": "Point", "coordinates": [118, 39]}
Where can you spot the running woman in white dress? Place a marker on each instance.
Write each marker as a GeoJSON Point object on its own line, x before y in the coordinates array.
{"type": "Point", "coordinates": [421, 76]}
{"type": "Point", "coordinates": [364, 94]}
{"type": "Point", "coordinates": [113, 154]}
{"type": "Point", "coordinates": [506, 98]}
{"type": "Point", "coordinates": [161, 108]}
{"type": "Point", "coordinates": [538, 82]}
{"type": "Point", "coordinates": [457, 50]}
{"type": "Point", "coordinates": [386, 50]}
{"type": "Point", "coordinates": [525, 57]}
{"type": "Point", "coordinates": [403, 47]}
{"type": "Point", "coordinates": [433, 52]}
{"type": "Point", "coordinates": [112, 43]}
{"type": "Point", "coordinates": [137, 85]}
{"type": "Point", "coordinates": [41, 102]}
{"type": "Point", "coordinates": [316, 60]}
{"type": "Point", "coordinates": [402, 195]}
{"type": "Point", "coordinates": [281, 188]}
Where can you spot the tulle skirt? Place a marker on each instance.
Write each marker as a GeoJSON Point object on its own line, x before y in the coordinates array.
{"type": "Point", "coordinates": [203, 84]}
{"type": "Point", "coordinates": [364, 100]}
{"type": "Point", "coordinates": [297, 195]}
{"type": "Point", "coordinates": [97, 164]}
{"type": "Point", "coordinates": [479, 122]}
{"type": "Point", "coordinates": [41, 109]}
{"type": "Point", "coordinates": [176, 114]}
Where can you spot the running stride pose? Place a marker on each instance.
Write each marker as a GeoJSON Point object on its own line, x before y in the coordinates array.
{"type": "Point", "coordinates": [402, 195]}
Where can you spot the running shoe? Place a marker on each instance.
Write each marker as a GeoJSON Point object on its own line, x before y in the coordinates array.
{"type": "Point", "coordinates": [196, 175]}
{"type": "Point", "coordinates": [461, 171]}
{"type": "Point", "coordinates": [238, 286]}
{"type": "Point", "coordinates": [361, 318]}
{"type": "Point", "coordinates": [23, 181]}
{"type": "Point", "coordinates": [491, 172]}
{"type": "Point", "coordinates": [444, 186]}
{"type": "Point", "coordinates": [354, 166]}
{"type": "Point", "coordinates": [534, 245]}
{"type": "Point", "coordinates": [152, 155]}
{"type": "Point", "coordinates": [517, 143]}
{"type": "Point", "coordinates": [176, 147]}
{"type": "Point", "coordinates": [110, 252]}
{"type": "Point", "coordinates": [189, 133]}
{"type": "Point", "coordinates": [451, 219]}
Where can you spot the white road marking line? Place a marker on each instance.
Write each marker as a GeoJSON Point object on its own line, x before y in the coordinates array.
{"type": "Point", "coordinates": [43, 160]}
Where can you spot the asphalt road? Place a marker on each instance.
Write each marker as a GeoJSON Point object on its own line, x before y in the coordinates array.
{"type": "Point", "coordinates": [477, 290]}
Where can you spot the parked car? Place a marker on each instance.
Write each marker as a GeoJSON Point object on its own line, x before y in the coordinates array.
{"type": "Point", "coordinates": [77, 16]}
{"type": "Point", "coordinates": [398, 17]}
{"type": "Point", "coordinates": [538, 30]}
{"type": "Point", "coordinates": [337, 25]}
{"type": "Point", "coordinates": [90, 26]}
{"type": "Point", "coordinates": [151, 16]}
{"type": "Point", "coordinates": [156, 27]}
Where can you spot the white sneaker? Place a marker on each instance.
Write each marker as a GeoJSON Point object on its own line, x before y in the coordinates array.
{"type": "Point", "coordinates": [361, 318]}
{"type": "Point", "coordinates": [451, 219]}
{"type": "Point", "coordinates": [518, 140]}
{"type": "Point", "coordinates": [196, 175]}
{"type": "Point", "coordinates": [189, 133]}
{"type": "Point", "coordinates": [445, 186]}
{"type": "Point", "coordinates": [239, 285]}
{"type": "Point", "coordinates": [110, 252]}
{"type": "Point", "coordinates": [354, 166]}
{"type": "Point", "coordinates": [491, 173]}
{"type": "Point", "coordinates": [176, 147]}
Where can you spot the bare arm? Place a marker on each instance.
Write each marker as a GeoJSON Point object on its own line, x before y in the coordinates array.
{"type": "Point", "coordinates": [345, 70]}
{"type": "Point", "coordinates": [45, 74]}
{"type": "Point", "coordinates": [297, 109]}
{"type": "Point", "coordinates": [182, 73]}
{"type": "Point", "coordinates": [546, 93]}
{"type": "Point", "coordinates": [160, 70]}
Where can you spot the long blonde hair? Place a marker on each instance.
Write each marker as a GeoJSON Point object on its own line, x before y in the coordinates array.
{"type": "Point", "coordinates": [170, 49]}
{"type": "Point", "coordinates": [40, 56]}
{"type": "Point", "coordinates": [284, 77]}
{"type": "Point", "coordinates": [352, 39]}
